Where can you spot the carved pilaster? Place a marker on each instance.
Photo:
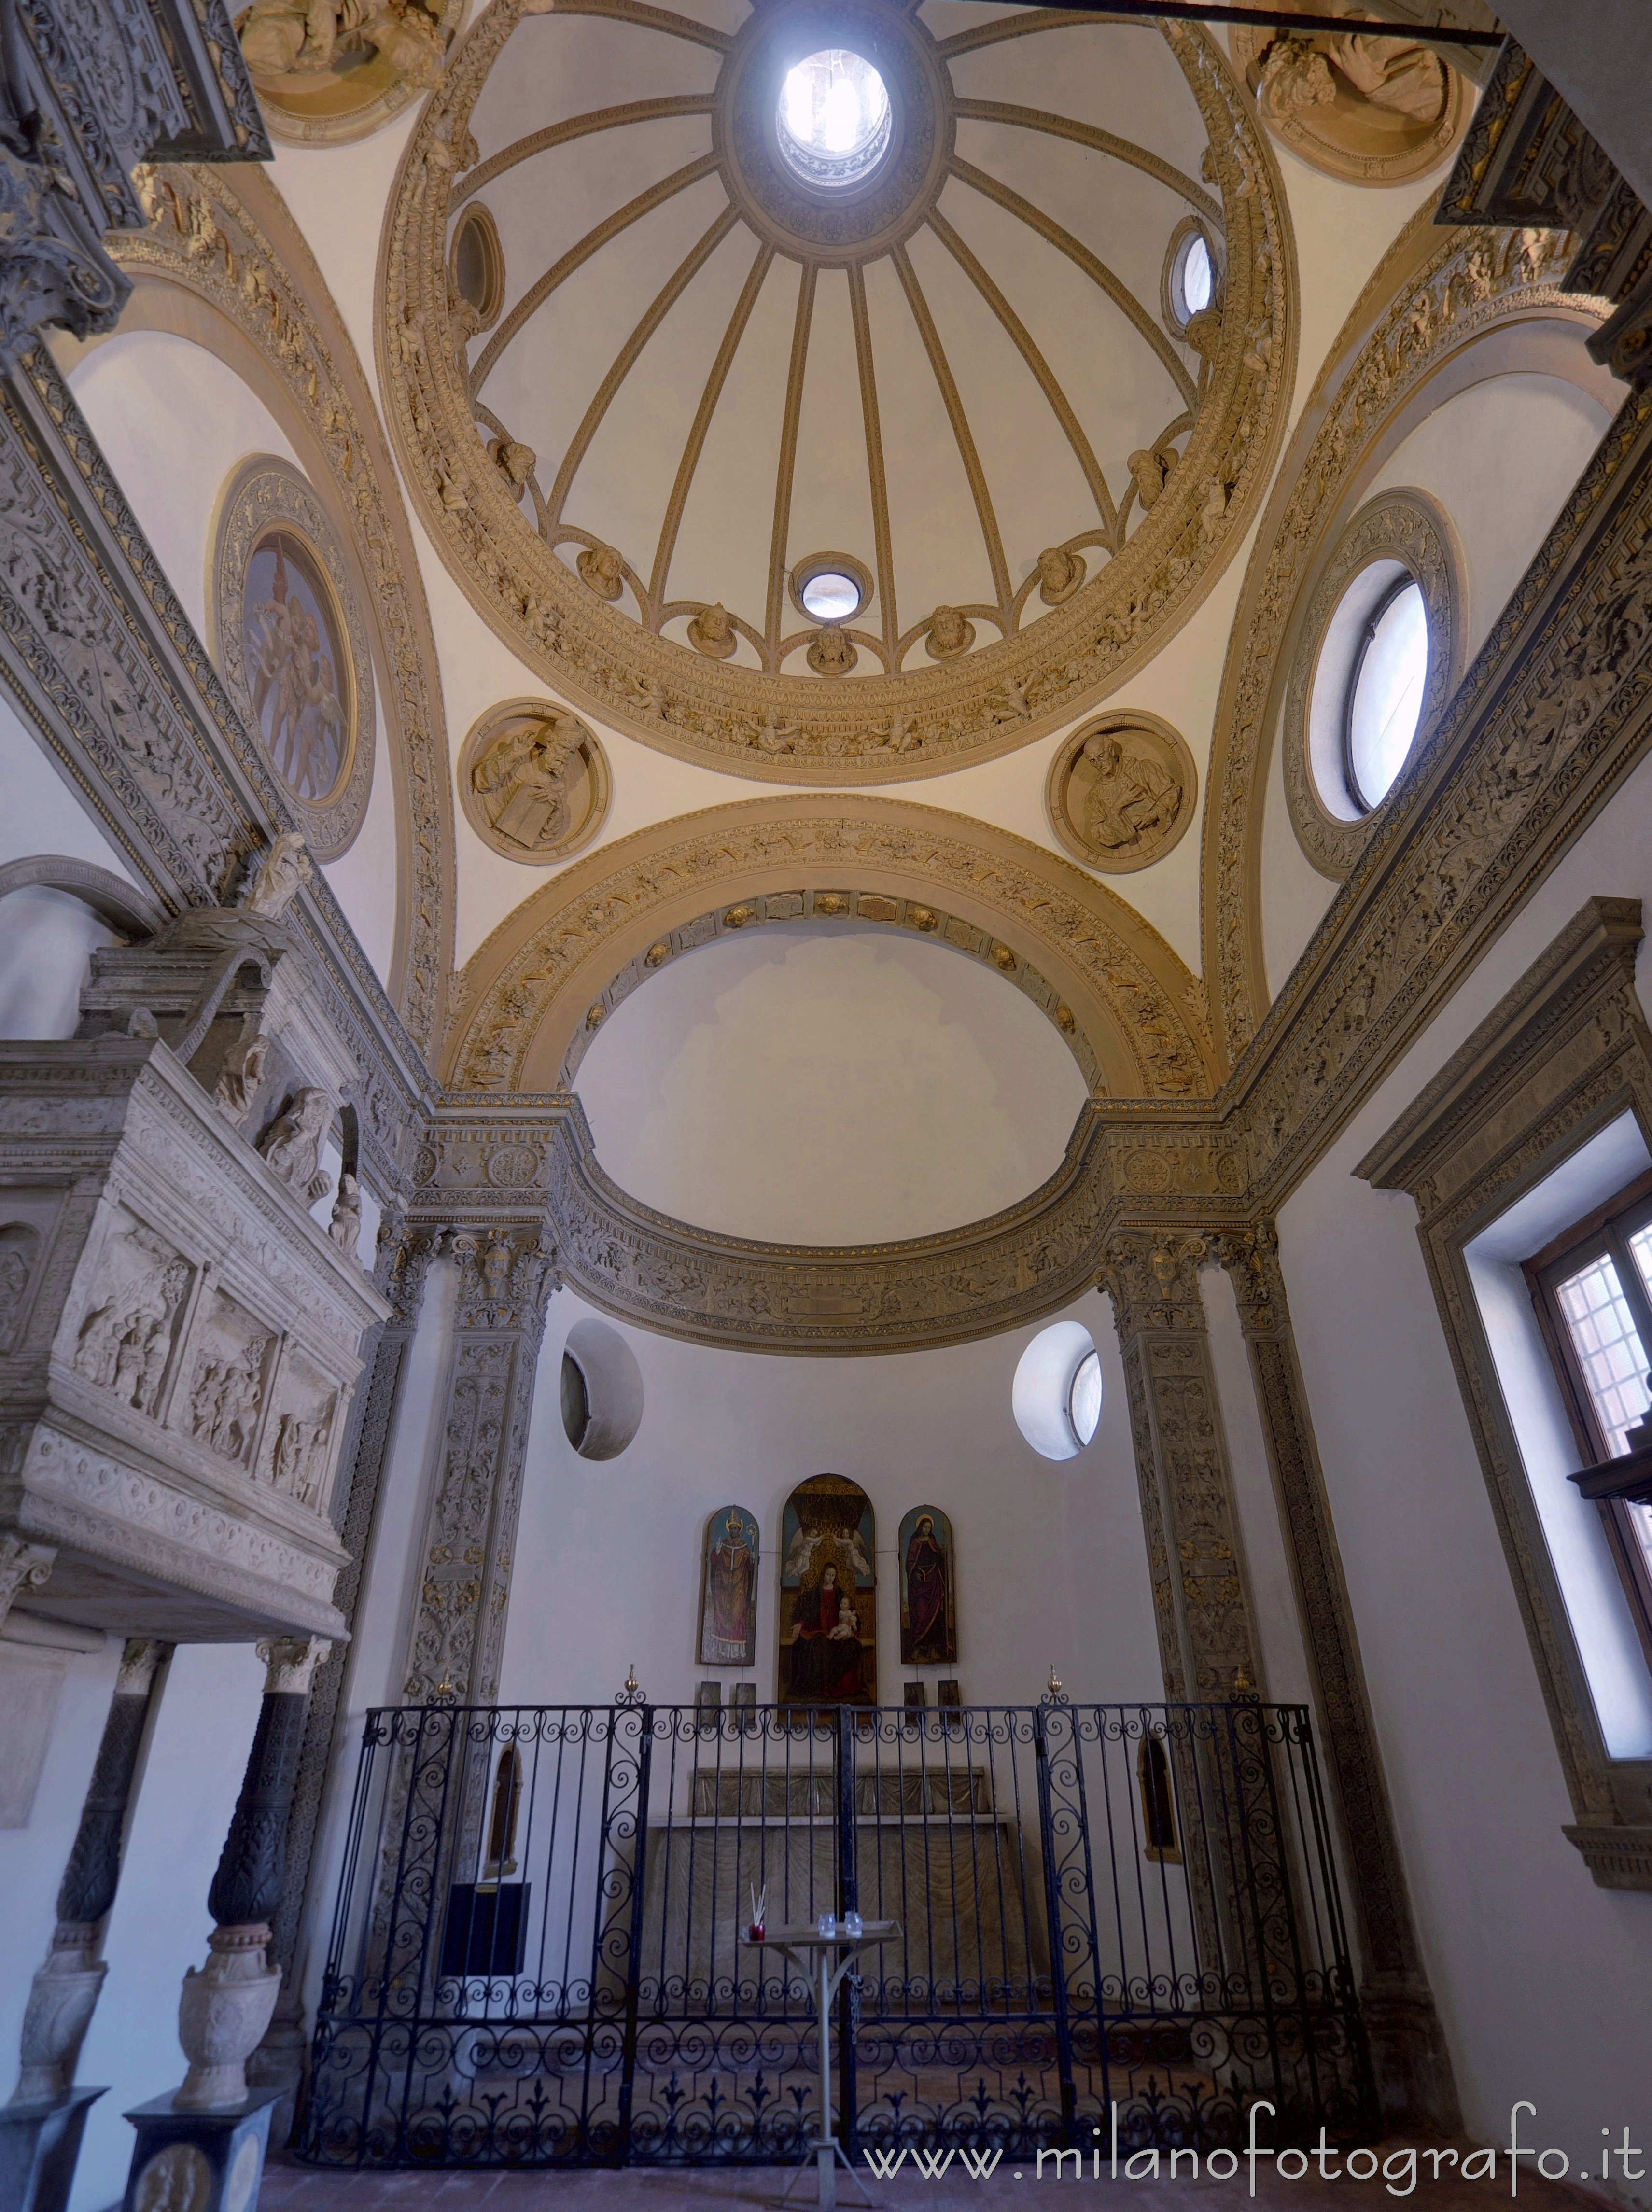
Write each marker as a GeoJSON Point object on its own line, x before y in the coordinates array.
{"type": "Point", "coordinates": [1408, 2048]}
{"type": "Point", "coordinates": [66, 1987]}
{"type": "Point", "coordinates": [1207, 1638]}
{"type": "Point", "coordinates": [458, 1630]}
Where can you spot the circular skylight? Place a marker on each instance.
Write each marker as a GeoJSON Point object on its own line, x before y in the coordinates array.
{"type": "Point", "coordinates": [1385, 698]}
{"type": "Point", "coordinates": [833, 120]}
{"type": "Point", "coordinates": [831, 598]}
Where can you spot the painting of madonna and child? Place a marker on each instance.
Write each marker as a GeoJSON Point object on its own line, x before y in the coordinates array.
{"type": "Point", "coordinates": [828, 1597]}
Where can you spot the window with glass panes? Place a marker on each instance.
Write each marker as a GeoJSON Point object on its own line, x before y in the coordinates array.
{"type": "Point", "coordinates": [1592, 1289]}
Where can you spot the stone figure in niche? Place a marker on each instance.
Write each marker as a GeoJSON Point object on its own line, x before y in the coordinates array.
{"type": "Point", "coordinates": [345, 1226]}
{"type": "Point", "coordinates": [291, 1143]}
{"type": "Point", "coordinates": [1133, 795]}
{"type": "Point", "coordinates": [18, 1246]}
{"type": "Point", "coordinates": [299, 1457]}
{"type": "Point", "coordinates": [126, 1342]}
{"type": "Point", "coordinates": [242, 1071]}
{"type": "Point", "coordinates": [279, 878]}
{"type": "Point", "coordinates": [728, 1598]}
{"type": "Point", "coordinates": [828, 1600]}
{"type": "Point", "coordinates": [293, 658]}
{"type": "Point", "coordinates": [522, 780]}
{"type": "Point", "coordinates": [929, 1634]}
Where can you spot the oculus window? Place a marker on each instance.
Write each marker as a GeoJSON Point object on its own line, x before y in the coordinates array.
{"type": "Point", "coordinates": [1056, 1396]}
{"type": "Point", "coordinates": [1385, 693]}
{"type": "Point", "coordinates": [833, 122]}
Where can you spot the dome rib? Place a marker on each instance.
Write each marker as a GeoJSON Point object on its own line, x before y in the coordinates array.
{"type": "Point", "coordinates": [626, 359]}
{"type": "Point", "coordinates": [882, 537]}
{"type": "Point", "coordinates": [1025, 345]}
{"type": "Point", "coordinates": [1098, 140]}
{"type": "Point", "coordinates": [694, 443]}
{"type": "Point", "coordinates": [1097, 271]}
{"type": "Point", "coordinates": [609, 227]}
{"type": "Point", "coordinates": [960, 431]}
{"type": "Point", "coordinates": [787, 467]}
{"type": "Point", "coordinates": [669, 108]}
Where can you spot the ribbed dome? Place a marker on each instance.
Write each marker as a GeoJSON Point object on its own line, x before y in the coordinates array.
{"type": "Point", "coordinates": [961, 375]}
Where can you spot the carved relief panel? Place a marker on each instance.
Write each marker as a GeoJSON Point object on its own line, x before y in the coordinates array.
{"type": "Point", "coordinates": [533, 782]}
{"type": "Point", "coordinates": [1122, 791]}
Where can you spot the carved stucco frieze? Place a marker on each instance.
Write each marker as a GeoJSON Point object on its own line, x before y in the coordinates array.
{"type": "Point", "coordinates": [1413, 318]}
{"type": "Point", "coordinates": [791, 728]}
{"type": "Point", "coordinates": [1208, 1643]}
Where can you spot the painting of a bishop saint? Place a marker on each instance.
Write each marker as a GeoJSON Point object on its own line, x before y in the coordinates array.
{"type": "Point", "coordinates": [728, 1601]}
{"type": "Point", "coordinates": [929, 1629]}
{"type": "Point", "coordinates": [827, 1599]}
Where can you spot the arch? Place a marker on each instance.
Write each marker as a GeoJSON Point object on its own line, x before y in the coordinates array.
{"type": "Point", "coordinates": [542, 972]}
{"type": "Point", "coordinates": [1443, 312]}
{"type": "Point", "coordinates": [224, 267]}
{"type": "Point", "coordinates": [126, 906]}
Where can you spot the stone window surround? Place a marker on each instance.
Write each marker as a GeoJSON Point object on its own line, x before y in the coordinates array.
{"type": "Point", "coordinates": [1562, 1054]}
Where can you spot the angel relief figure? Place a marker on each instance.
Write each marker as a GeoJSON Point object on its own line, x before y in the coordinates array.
{"type": "Point", "coordinates": [292, 669]}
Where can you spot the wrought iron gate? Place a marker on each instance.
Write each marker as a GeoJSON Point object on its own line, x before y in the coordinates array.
{"type": "Point", "coordinates": [1109, 1916]}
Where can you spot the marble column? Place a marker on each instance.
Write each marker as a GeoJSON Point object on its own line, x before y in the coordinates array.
{"type": "Point", "coordinates": [66, 1987]}
{"type": "Point", "coordinates": [1408, 2047]}
{"type": "Point", "coordinates": [1208, 1645]}
{"type": "Point", "coordinates": [457, 1633]}
{"type": "Point", "coordinates": [226, 2006]}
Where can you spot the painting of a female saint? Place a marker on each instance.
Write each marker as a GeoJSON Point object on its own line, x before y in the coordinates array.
{"type": "Point", "coordinates": [828, 1616]}
{"type": "Point", "coordinates": [728, 1596]}
{"type": "Point", "coordinates": [929, 1630]}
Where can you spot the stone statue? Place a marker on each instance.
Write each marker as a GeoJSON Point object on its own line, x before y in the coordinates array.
{"type": "Point", "coordinates": [345, 1226]}
{"type": "Point", "coordinates": [291, 1143]}
{"type": "Point", "coordinates": [1149, 470]}
{"type": "Point", "coordinates": [285, 870]}
{"type": "Point", "coordinates": [712, 633]}
{"type": "Point", "coordinates": [832, 653]}
{"type": "Point", "coordinates": [950, 632]}
{"type": "Point", "coordinates": [1133, 795]}
{"type": "Point", "coordinates": [522, 780]}
{"type": "Point", "coordinates": [242, 1072]}
{"type": "Point", "coordinates": [515, 463]}
{"type": "Point", "coordinates": [603, 569]}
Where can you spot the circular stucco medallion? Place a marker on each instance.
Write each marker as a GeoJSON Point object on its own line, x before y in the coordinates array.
{"type": "Point", "coordinates": [292, 647]}
{"type": "Point", "coordinates": [533, 782]}
{"type": "Point", "coordinates": [323, 79]}
{"type": "Point", "coordinates": [698, 651]}
{"type": "Point", "coordinates": [1372, 111]}
{"type": "Point", "coordinates": [176, 2179]}
{"type": "Point", "coordinates": [1122, 791]}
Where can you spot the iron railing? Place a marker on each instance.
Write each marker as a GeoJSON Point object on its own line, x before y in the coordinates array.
{"type": "Point", "coordinates": [1111, 1918]}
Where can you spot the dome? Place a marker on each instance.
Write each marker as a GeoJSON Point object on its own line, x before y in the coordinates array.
{"type": "Point", "coordinates": [845, 391]}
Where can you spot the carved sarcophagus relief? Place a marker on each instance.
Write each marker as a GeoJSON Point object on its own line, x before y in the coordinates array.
{"type": "Point", "coordinates": [179, 1339]}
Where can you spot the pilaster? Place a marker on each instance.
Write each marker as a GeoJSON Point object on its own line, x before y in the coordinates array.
{"type": "Point", "coordinates": [1208, 1643]}
{"type": "Point", "coordinates": [1408, 2048]}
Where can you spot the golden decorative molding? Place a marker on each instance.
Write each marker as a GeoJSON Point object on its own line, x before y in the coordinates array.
{"type": "Point", "coordinates": [534, 782]}
{"type": "Point", "coordinates": [1405, 525]}
{"type": "Point", "coordinates": [1419, 331]}
{"type": "Point", "coordinates": [263, 496]}
{"type": "Point", "coordinates": [963, 702]}
{"type": "Point", "coordinates": [1122, 791]}
{"type": "Point", "coordinates": [529, 988]}
{"type": "Point", "coordinates": [1371, 110]}
{"type": "Point", "coordinates": [876, 906]}
{"type": "Point", "coordinates": [223, 264]}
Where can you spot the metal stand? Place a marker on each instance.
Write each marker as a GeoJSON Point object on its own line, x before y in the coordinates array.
{"type": "Point", "coordinates": [815, 1952]}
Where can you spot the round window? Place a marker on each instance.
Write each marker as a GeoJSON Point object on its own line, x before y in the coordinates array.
{"type": "Point", "coordinates": [477, 264]}
{"type": "Point", "coordinates": [601, 1392]}
{"type": "Point", "coordinates": [295, 666]}
{"type": "Point", "coordinates": [831, 598]}
{"type": "Point", "coordinates": [1056, 1397]}
{"type": "Point", "coordinates": [833, 122]}
{"type": "Point", "coordinates": [1191, 277]}
{"type": "Point", "coordinates": [1385, 692]}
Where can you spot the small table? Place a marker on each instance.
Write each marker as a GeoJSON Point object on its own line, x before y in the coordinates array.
{"type": "Point", "coordinates": [823, 1978]}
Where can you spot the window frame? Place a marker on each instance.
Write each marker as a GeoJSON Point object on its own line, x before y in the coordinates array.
{"type": "Point", "coordinates": [1604, 1232]}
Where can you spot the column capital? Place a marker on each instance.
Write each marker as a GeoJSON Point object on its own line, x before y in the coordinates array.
{"type": "Point", "coordinates": [140, 1661]}
{"type": "Point", "coordinates": [290, 1662]}
{"type": "Point", "coordinates": [405, 1251]}
{"type": "Point", "coordinates": [1152, 1277]}
{"type": "Point", "coordinates": [1251, 1257]}
{"type": "Point", "coordinates": [505, 1277]}
{"type": "Point", "coordinates": [23, 1567]}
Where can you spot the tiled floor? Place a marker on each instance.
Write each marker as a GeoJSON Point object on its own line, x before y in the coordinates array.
{"type": "Point", "coordinates": [289, 2188]}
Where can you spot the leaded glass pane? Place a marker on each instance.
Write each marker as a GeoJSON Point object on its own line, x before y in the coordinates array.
{"type": "Point", "coordinates": [1608, 1346]}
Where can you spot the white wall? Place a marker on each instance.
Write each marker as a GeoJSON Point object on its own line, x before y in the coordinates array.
{"type": "Point", "coordinates": [1542, 1978]}
{"type": "Point", "coordinates": [48, 938]}
{"type": "Point", "coordinates": [1502, 508]}
{"type": "Point", "coordinates": [829, 1083]}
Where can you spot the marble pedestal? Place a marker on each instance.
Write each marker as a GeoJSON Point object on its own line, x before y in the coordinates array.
{"type": "Point", "coordinates": [198, 2161]}
{"type": "Point", "coordinates": [40, 2143]}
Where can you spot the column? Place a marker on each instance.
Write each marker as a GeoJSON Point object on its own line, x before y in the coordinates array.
{"type": "Point", "coordinates": [457, 1634]}
{"type": "Point", "coordinates": [1208, 1638]}
{"type": "Point", "coordinates": [1408, 2048]}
